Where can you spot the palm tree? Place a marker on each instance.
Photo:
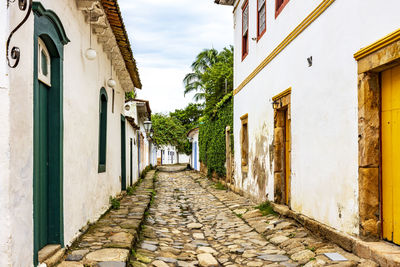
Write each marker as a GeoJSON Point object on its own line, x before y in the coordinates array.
{"type": "Point", "coordinates": [193, 81]}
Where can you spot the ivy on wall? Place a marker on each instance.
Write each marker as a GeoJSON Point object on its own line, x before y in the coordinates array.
{"type": "Point", "coordinates": [212, 136]}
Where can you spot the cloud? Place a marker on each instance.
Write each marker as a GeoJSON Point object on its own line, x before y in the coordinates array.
{"type": "Point", "coordinates": [166, 36]}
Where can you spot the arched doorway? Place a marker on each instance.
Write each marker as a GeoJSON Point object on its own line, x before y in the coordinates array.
{"type": "Point", "coordinates": [49, 41]}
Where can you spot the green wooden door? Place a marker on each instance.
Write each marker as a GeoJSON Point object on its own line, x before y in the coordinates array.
{"type": "Point", "coordinates": [43, 164]}
{"type": "Point", "coordinates": [123, 154]}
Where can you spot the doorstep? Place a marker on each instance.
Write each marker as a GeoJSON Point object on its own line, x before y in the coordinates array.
{"type": "Point", "coordinates": [382, 252]}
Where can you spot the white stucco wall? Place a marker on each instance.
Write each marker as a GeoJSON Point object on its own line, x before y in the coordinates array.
{"type": "Point", "coordinates": [86, 192]}
{"type": "Point", "coordinates": [195, 137]}
{"type": "Point", "coordinates": [324, 163]}
{"type": "Point", "coordinates": [5, 246]}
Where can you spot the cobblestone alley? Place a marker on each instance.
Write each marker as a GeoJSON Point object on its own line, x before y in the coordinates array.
{"type": "Point", "coordinates": [192, 223]}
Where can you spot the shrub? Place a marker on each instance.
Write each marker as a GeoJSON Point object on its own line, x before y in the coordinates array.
{"type": "Point", "coordinates": [115, 204]}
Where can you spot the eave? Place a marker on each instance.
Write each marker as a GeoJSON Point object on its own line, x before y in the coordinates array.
{"type": "Point", "coordinates": [224, 2]}
{"type": "Point", "coordinates": [114, 17]}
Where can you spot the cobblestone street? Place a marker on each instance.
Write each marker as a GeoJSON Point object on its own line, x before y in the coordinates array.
{"type": "Point", "coordinates": [192, 223]}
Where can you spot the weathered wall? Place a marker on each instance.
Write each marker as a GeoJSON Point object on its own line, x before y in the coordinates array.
{"type": "Point", "coordinates": [4, 143]}
{"type": "Point", "coordinates": [86, 192]}
{"type": "Point", "coordinates": [324, 103]}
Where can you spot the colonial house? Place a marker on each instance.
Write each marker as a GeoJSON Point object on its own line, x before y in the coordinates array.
{"type": "Point", "coordinates": [64, 69]}
{"type": "Point", "coordinates": [316, 125]}
{"type": "Point", "coordinates": [138, 142]}
{"type": "Point", "coordinates": [193, 136]}
{"type": "Point", "coordinates": [168, 154]}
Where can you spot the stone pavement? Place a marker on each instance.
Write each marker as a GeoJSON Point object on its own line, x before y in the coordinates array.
{"type": "Point", "coordinates": [108, 242]}
{"type": "Point", "coordinates": [191, 223]}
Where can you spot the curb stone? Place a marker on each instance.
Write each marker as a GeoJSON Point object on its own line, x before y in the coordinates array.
{"type": "Point", "coordinates": [109, 241]}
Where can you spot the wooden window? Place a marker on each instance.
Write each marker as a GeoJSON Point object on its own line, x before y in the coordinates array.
{"type": "Point", "coordinates": [103, 130]}
{"type": "Point", "coordinates": [261, 18]}
{"type": "Point", "coordinates": [279, 6]}
{"type": "Point", "coordinates": [244, 142]}
{"type": "Point", "coordinates": [245, 29]}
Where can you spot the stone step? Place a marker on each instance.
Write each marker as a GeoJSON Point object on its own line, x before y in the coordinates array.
{"type": "Point", "coordinates": [48, 251]}
{"type": "Point", "coordinates": [56, 258]}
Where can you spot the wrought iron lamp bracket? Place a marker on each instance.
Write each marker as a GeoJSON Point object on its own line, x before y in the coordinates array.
{"type": "Point", "coordinates": [15, 52]}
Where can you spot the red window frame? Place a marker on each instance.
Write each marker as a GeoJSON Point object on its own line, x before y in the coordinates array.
{"type": "Point", "coordinates": [245, 38]}
{"type": "Point", "coordinates": [278, 9]}
{"type": "Point", "coordinates": [260, 34]}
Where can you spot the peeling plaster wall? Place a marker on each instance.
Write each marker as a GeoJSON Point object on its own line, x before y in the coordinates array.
{"type": "Point", "coordinates": [5, 248]}
{"type": "Point", "coordinates": [324, 125]}
{"type": "Point", "coordinates": [86, 192]}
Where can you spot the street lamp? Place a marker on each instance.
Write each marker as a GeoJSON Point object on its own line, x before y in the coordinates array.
{"type": "Point", "coordinates": [147, 126]}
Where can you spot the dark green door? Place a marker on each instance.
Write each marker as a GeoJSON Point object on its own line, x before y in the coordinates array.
{"type": "Point", "coordinates": [131, 161]}
{"type": "Point", "coordinates": [123, 154]}
{"type": "Point", "coordinates": [43, 164]}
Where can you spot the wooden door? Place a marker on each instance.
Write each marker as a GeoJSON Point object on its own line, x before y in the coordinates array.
{"type": "Point", "coordinates": [123, 154]}
{"type": "Point", "coordinates": [287, 157]}
{"type": "Point", "coordinates": [43, 197]}
{"type": "Point", "coordinates": [131, 161]}
{"type": "Point", "coordinates": [391, 154]}
{"type": "Point", "coordinates": [195, 156]}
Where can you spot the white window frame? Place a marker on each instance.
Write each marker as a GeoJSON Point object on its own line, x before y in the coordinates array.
{"type": "Point", "coordinates": [46, 79]}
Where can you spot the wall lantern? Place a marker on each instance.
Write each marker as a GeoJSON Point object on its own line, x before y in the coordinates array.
{"type": "Point", "coordinates": [147, 126]}
{"type": "Point", "coordinates": [90, 53]}
{"type": "Point", "coordinates": [111, 83]}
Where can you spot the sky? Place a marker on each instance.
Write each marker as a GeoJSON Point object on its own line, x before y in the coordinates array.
{"type": "Point", "coordinates": [166, 36]}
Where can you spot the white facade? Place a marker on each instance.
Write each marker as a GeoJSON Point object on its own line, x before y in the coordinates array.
{"type": "Point", "coordinates": [5, 223]}
{"type": "Point", "coordinates": [324, 122]}
{"type": "Point", "coordinates": [167, 155]}
{"type": "Point", "coordinates": [85, 191]}
{"type": "Point", "coordinates": [195, 156]}
{"type": "Point", "coordinates": [144, 153]}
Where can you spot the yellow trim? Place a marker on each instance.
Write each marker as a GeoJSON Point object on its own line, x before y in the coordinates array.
{"type": "Point", "coordinates": [284, 93]}
{"type": "Point", "coordinates": [245, 116]}
{"type": "Point", "coordinates": [296, 32]}
{"type": "Point", "coordinates": [388, 39]}
{"type": "Point", "coordinates": [237, 4]}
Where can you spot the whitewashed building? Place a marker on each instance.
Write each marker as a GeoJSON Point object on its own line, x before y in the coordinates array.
{"type": "Point", "coordinates": [315, 103]}
{"type": "Point", "coordinates": [60, 117]}
{"type": "Point", "coordinates": [193, 136]}
{"type": "Point", "coordinates": [170, 155]}
{"type": "Point", "coordinates": [139, 145]}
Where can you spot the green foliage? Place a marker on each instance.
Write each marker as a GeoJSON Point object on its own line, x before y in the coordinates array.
{"type": "Point", "coordinates": [168, 131]}
{"type": "Point", "coordinates": [145, 171]}
{"type": "Point", "coordinates": [212, 80]}
{"type": "Point", "coordinates": [212, 145]}
{"type": "Point", "coordinates": [212, 75]}
{"type": "Point", "coordinates": [130, 95]}
{"type": "Point", "coordinates": [189, 116]}
{"type": "Point", "coordinates": [172, 129]}
{"type": "Point", "coordinates": [129, 191]}
{"type": "Point", "coordinates": [115, 204]}
{"type": "Point", "coordinates": [219, 186]}
{"type": "Point", "coordinates": [266, 208]}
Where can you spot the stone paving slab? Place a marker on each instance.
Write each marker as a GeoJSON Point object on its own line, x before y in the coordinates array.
{"type": "Point", "coordinates": [193, 224]}
{"type": "Point", "coordinates": [108, 242]}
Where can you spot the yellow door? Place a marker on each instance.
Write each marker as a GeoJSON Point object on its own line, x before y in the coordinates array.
{"type": "Point", "coordinates": [287, 157]}
{"type": "Point", "coordinates": [391, 154]}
